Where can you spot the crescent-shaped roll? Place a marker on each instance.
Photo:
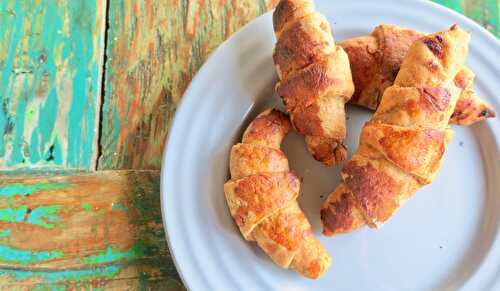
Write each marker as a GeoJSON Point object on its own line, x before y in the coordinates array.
{"type": "Point", "coordinates": [315, 78]}
{"type": "Point", "coordinates": [375, 60]}
{"type": "Point", "coordinates": [402, 146]}
{"type": "Point", "coordinates": [262, 198]}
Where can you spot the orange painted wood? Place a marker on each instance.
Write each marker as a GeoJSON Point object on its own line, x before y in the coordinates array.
{"type": "Point", "coordinates": [90, 228]}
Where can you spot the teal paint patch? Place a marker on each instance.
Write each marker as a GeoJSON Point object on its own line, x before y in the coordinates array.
{"type": "Point", "coordinates": [9, 254]}
{"type": "Point", "coordinates": [113, 255]}
{"type": "Point", "coordinates": [86, 206]}
{"type": "Point", "coordinates": [13, 214]}
{"type": "Point", "coordinates": [17, 156]}
{"type": "Point", "coordinates": [44, 216]}
{"type": "Point", "coordinates": [5, 233]}
{"type": "Point", "coordinates": [50, 73]}
{"type": "Point", "coordinates": [456, 5]}
{"type": "Point", "coordinates": [11, 190]}
{"type": "Point", "coordinates": [57, 152]}
{"type": "Point", "coordinates": [119, 206]}
{"type": "Point", "coordinates": [34, 156]}
{"type": "Point", "coordinates": [12, 37]}
{"type": "Point", "coordinates": [64, 276]}
{"type": "Point", "coordinates": [57, 287]}
{"type": "Point", "coordinates": [80, 151]}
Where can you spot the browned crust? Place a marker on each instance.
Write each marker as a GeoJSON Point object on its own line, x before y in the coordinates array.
{"type": "Point", "coordinates": [394, 42]}
{"type": "Point", "coordinates": [402, 147]}
{"type": "Point", "coordinates": [311, 260]}
{"type": "Point", "coordinates": [287, 228]}
{"type": "Point", "coordinates": [376, 58]}
{"type": "Point", "coordinates": [289, 10]}
{"type": "Point", "coordinates": [262, 198]}
{"type": "Point", "coordinates": [255, 197]}
{"type": "Point", "coordinates": [299, 47]}
{"type": "Point", "coordinates": [302, 88]}
{"type": "Point", "coordinates": [267, 129]}
{"type": "Point", "coordinates": [416, 109]}
{"type": "Point", "coordinates": [340, 213]}
{"type": "Point", "coordinates": [313, 74]}
{"type": "Point", "coordinates": [363, 59]}
{"type": "Point", "coordinates": [436, 45]}
{"type": "Point", "coordinates": [470, 110]}
{"type": "Point", "coordinates": [326, 150]}
{"type": "Point", "coordinates": [306, 120]}
{"type": "Point", "coordinates": [414, 150]}
{"type": "Point", "coordinates": [376, 192]}
{"type": "Point", "coordinates": [248, 159]}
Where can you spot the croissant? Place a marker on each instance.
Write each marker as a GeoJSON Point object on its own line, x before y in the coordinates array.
{"type": "Point", "coordinates": [315, 78]}
{"type": "Point", "coordinates": [402, 146]}
{"type": "Point", "coordinates": [262, 197]}
{"type": "Point", "coordinates": [375, 60]}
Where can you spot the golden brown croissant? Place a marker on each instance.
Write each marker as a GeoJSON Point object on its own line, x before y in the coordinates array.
{"type": "Point", "coordinates": [315, 78]}
{"type": "Point", "coordinates": [262, 197]}
{"type": "Point", "coordinates": [402, 146]}
{"type": "Point", "coordinates": [375, 60]}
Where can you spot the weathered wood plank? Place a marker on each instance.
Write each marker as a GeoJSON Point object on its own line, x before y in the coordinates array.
{"type": "Point", "coordinates": [154, 49]}
{"type": "Point", "coordinates": [51, 56]}
{"type": "Point", "coordinates": [89, 229]}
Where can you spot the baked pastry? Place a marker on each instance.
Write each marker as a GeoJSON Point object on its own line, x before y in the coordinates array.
{"type": "Point", "coordinates": [315, 78]}
{"type": "Point", "coordinates": [402, 146]}
{"type": "Point", "coordinates": [375, 60]}
{"type": "Point", "coordinates": [262, 197]}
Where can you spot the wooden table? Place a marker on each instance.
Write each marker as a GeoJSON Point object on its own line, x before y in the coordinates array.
{"type": "Point", "coordinates": [88, 90]}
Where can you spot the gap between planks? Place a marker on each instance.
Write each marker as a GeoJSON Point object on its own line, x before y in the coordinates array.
{"type": "Point", "coordinates": [102, 86]}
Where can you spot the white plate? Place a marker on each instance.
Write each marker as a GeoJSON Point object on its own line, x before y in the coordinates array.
{"type": "Point", "coordinates": [445, 238]}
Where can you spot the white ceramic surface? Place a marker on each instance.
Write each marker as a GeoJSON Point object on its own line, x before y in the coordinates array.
{"type": "Point", "coordinates": [445, 238]}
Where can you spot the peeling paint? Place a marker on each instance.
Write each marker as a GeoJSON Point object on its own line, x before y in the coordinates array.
{"type": "Point", "coordinates": [44, 216]}
{"type": "Point", "coordinates": [67, 275]}
{"type": "Point", "coordinates": [50, 65]}
{"type": "Point", "coordinates": [5, 233]}
{"type": "Point", "coordinates": [11, 190]}
{"type": "Point", "coordinates": [114, 255]}
{"type": "Point", "coordinates": [9, 254]}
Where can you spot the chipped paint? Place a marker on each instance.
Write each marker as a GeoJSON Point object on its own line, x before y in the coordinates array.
{"type": "Point", "coordinates": [111, 254]}
{"type": "Point", "coordinates": [86, 206]}
{"type": "Point", "coordinates": [50, 66]}
{"type": "Point", "coordinates": [92, 220]}
{"type": "Point", "coordinates": [119, 206]}
{"type": "Point", "coordinates": [5, 233]}
{"type": "Point", "coordinates": [9, 254]}
{"type": "Point", "coordinates": [44, 216]}
{"type": "Point", "coordinates": [66, 275]}
{"type": "Point", "coordinates": [11, 190]}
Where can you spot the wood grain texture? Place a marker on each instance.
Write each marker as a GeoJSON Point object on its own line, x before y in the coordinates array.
{"type": "Point", "coordinates": [154, 49]}
{"type": "Point", "coordinates": [101, 229]}
{"type": "Point", "coordinates": [50, 64]}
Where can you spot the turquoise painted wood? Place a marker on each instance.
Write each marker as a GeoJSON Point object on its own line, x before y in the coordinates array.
{"type": "Point", "coordinates": [90, 229]}
{"type": "Point", "coordinates": [51, 55]}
